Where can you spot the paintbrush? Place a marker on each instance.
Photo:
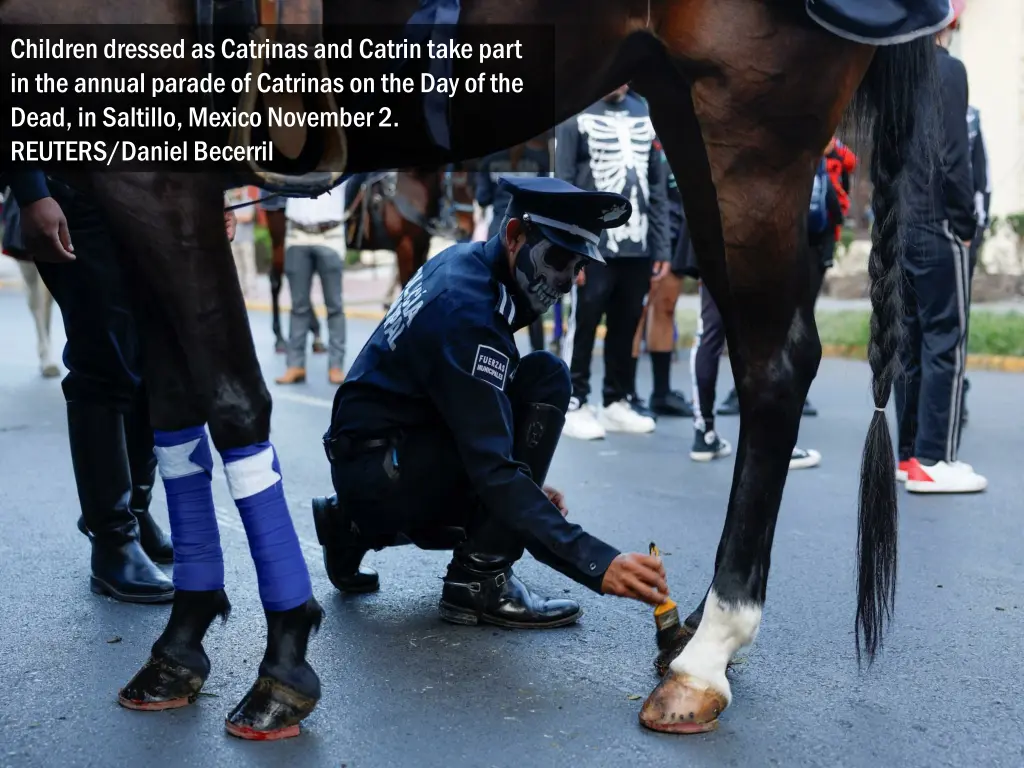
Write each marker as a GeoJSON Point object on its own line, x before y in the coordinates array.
{"type": "Point", "coordinates": [666, 616]}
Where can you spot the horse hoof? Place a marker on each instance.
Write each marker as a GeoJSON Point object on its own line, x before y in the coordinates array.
{"type": "Point", "coordinates": [682, 704]}
{"type": "Point", "coordinates": [667, 655]}
{"type": "Point", "coordinates": [269, 711]}
{"type": "Point", "coordinates": [161, 684]}
{"type": "Point", "coordinates": [51, 371]}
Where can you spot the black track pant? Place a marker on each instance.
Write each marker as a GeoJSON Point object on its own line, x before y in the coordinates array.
{"type": "Point", "coordinates": [936, 292]}
{"type": "Point", "coordinates": [615, 291]}
{"type": "Point", "coordinates": [705, 356]}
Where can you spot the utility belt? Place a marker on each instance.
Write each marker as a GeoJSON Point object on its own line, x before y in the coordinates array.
{"type": "Point", "coordinates": [346, 446]}
{"type": "Point", "coordinates": [315, 229]}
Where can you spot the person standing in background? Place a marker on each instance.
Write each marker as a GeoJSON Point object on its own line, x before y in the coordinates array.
{"type": "Point", "coordinates": [315, 242]}
{"type": "Point", "coordinates": [273, 208]}
{"type": "Point", "coordinates": [609, 147]}
{"type": "Point", "coordinates": [941, 222]}
{"type": "Point", "coordinates": [530, 159]}
{"type": "Point", "coordinates": [982, 200]}
{"type": "Point", "coordinates": [657, 325]}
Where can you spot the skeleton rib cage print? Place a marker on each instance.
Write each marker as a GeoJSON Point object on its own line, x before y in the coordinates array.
{"type": "Point", "coordinates": [619, 147]}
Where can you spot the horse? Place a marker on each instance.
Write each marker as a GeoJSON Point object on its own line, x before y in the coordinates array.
{"type": "Point", "coordinates": [744, 95]}
{"type": "Point", "coordinates": [400, 211]}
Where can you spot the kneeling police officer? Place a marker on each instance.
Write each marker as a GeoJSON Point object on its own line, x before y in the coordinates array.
{"type": "Point", "coordinates": [442, 436]}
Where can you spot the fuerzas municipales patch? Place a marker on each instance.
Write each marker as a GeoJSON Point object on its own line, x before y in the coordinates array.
{"type": "Point", "coordinates": [491, 366]}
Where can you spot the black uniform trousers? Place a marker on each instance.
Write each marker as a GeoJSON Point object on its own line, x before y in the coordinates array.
{"type": "Point", "coordinates": [108, 411]}
{"type": "Point", "coordinates": [416, 490]}
{"type": "Point", "coordinates": [616, 291]}
{"type": "Point", "coordinates": [929, 395]}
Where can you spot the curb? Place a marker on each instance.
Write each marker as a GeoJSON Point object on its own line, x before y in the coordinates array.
{"type": "Point", "coordinates": [1004, 363]}
{"type": "Point", "coordinates": [975, 362]}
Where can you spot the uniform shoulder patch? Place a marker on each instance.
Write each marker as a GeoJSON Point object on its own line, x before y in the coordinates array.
{"type": "Point", "coordinates": [491, 366]}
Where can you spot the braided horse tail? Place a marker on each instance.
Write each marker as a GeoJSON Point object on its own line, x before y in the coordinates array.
{"type": "Point", "coordinates": [899, 100]}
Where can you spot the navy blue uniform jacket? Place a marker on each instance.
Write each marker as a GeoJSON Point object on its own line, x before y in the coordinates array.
{"type": "Point", "coordinates": [443, 357]}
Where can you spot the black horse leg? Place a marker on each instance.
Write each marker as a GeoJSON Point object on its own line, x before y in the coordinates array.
{"type": "Point", "coordinates": [184, 257]}
{"type": "Point", "coordinates": [745, 192]}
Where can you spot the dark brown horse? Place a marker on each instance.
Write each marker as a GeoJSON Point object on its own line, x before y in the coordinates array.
{"type": "Point", "coordinates": [744, 95]}
{"type": "Point", "coordinates": [400, 211]}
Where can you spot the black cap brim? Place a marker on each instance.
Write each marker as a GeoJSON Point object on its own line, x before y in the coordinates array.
{"type": "Point", "coordinates": [571, 243]}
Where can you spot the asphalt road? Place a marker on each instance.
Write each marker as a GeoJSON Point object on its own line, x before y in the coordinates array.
{"type": "Point", "coordinates": [401, 688]}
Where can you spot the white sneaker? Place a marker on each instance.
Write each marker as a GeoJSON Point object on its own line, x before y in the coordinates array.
{"type": "Point", "coordinates": [620, 417]}
{"type": "Point", "coordinates": [803, 458]}
{"type": "Point", "coordinates": [944, 477]}
{"type": "Point", "coordinates": [581, 422]}
{"type": "Point", "coordinates": [904, 467]}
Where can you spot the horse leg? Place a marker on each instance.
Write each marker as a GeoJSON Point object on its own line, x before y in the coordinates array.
{"type": "Point", "coordinates": [39, 302]}
{"type": "Point", "coordinates": [749, 170]}
{"type": "Point", "coordinates": [186, 260]}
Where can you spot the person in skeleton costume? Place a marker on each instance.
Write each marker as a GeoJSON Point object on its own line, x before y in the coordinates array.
{"type": "Point", "coordinates": [610, 147]}
{"type": "Point", "coordinates": [442, 436]}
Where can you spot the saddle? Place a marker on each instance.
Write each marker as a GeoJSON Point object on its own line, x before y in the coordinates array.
{"type": "Point", "coordinates": [286, 21]}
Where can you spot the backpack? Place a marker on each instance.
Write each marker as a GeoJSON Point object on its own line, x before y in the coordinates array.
{"type": "Point", "coordinates": [817, 217]}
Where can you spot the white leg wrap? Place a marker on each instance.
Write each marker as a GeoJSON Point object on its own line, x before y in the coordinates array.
{"type": "Point", "coordinates": [724, 629]}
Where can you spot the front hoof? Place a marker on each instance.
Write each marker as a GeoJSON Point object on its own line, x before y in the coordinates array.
{"type": "Point", "coordinates": [159, 685]}
{"type": "Point", "coordinates": [682, 704]}
{"type": "Point", "coordinates": [674, 647]}
{"type": "Point", "coordinates": [269, 711]}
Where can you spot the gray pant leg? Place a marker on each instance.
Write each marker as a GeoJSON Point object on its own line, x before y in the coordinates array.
{"type": "Point", "coordinates": [298, 266]}
{"type": "Point", "coordinates": [329, 265]}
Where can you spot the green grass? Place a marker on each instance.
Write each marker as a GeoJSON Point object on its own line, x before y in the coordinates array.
{"type": "Point", "coordinates": [991, 333]}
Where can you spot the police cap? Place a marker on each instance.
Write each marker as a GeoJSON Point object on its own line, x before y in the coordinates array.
{"type": "Point", "coordinates": [567, 215]}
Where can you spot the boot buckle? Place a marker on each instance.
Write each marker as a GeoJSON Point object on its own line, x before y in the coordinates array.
{"type": "Point", "coordinates": [499, 580]}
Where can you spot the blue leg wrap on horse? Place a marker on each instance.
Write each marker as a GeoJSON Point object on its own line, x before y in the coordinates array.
{"type": "Point", "coordinates": [186, 466]}
{"type": "Point", "coordinates": [254, 477]}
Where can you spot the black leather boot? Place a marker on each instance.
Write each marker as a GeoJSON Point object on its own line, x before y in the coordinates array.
{"type": "Point", "coordinates": [480, 586]}
{"type": "Point", "coordinates": [287, 688]}
{"type": "Point", "coordinates": [343, 553]}
{"type": "Point", "coordinates": [178, 665]}
{"type": "Point", "coordinates": [154, 541]}
{"type": "Point", "coordinates": [120, 567]}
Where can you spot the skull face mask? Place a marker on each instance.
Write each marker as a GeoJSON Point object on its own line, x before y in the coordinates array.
{"type": "Point", "coordinates": [545, 271]}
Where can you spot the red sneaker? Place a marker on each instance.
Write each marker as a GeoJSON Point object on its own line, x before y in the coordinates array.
{"type": "Point", "coordinates": [902, 469]}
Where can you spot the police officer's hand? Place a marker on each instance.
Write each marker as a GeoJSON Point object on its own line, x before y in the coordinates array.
{"type": "Point", "coordinates": [44, 231]}
{"type": "Point", "coordinates": [640, 577]}
{"type": "Point", "coordinates": [556, 498]}
{"type": "Point", "coordinates": [230, 222]}
{"type": "Point", "coordinates": [661, 269]}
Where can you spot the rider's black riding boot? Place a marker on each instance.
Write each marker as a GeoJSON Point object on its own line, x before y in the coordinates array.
{"type": "Point", "coordinates": [178, 665]}
{"type": "Point", "coordinates": [343, 550]}
{"type": "Point", "coordinates": [120, 566]}
{"type": "Point", "coordinates": [480, 586]}
{"type": "Point", "coordinates": [287, 688]}
{"type": "Point", "coordinates": [142, 464]}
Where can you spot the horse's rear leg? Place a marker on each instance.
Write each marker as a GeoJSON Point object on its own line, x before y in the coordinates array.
{"type": "Point", "coordinates": [748, 165]}
{"type": "Point", "coordinates": [186, 260]}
